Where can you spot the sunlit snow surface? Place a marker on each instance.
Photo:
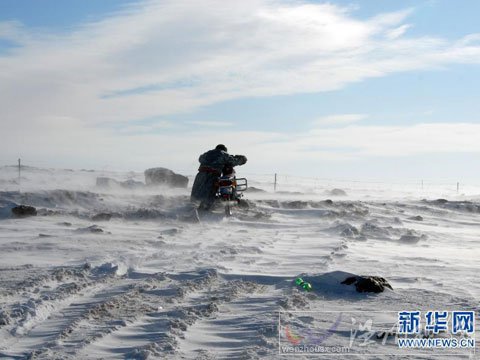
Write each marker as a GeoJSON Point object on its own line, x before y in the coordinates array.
{"type": "Point", "coordinates": [150, 283]}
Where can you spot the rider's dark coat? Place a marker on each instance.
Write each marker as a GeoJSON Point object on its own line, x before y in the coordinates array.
{"type": "Point", "coordinates": [211, 165]}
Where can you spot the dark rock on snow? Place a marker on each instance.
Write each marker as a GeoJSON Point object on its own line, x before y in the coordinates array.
{"type": "Point", "coordinates": [24, 211]}
{"type": "Point", "coordinates": [163, 176]}
{"type": "Point", "coordinates": [362, 284]}
{"type": "Point", "coordinates": [416, 218]}
{"type": "Point", "coordinates": [102, 217]}
{"type": "Point", "coordinates": [411, 237]}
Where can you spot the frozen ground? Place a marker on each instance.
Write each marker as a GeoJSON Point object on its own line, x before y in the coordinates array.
{"type": "Point", "coordinates": [152, 283]}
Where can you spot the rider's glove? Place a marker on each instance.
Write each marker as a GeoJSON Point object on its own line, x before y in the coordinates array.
{"type": "Point", "coordinates": [241, 159]}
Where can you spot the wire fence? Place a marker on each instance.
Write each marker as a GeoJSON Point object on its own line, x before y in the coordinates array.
{"type": "Point", "coordinates": [281, 182]}
{"type": "Point", "coordinates": [277, 181]}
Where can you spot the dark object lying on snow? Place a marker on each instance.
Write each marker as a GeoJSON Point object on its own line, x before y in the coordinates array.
{"type": "Point", "coordinates": [163, 176]}
{"type": "Point", "coordinates": [374, 284]}
{"type": "Point", "coordinates": [24, 211]}
{"type": "Point", "coordinates": [102, 217]}
{"type": "Point", "coordinates": [416, 218]}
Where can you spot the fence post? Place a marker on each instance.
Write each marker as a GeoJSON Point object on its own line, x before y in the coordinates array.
{"type": "Point", "coordinates": [275, 183]}
{"type": "Point", "coordinates": [19, 171]}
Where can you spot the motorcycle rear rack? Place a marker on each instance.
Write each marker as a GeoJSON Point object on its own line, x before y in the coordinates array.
{"type": "Point", "coordinates": [242, 185]}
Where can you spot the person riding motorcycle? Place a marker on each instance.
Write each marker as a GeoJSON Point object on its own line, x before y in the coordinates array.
{"type": "Point", "coordinates": [212, 164]}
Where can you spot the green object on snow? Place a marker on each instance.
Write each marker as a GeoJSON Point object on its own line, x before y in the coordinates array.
{"type": "Point", "coordinates": [307, 286]}
{"type": "Point", "coordinates": [303, 284]}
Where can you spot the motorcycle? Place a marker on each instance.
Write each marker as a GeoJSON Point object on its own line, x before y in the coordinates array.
{"type": "Point", "coordinates": [230, 189]}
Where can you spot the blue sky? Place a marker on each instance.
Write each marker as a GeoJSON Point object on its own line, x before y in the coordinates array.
{"type": "Point", "coordinates": [351, 89]}
{"type": "Point", "coordinates": [58, 15]}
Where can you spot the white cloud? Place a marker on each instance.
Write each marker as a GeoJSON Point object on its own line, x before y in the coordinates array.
{"type": "Point", "coordinates": [184, 55]}
{"type": "Point", "coordinates": [397, 32]}
{"type": "Point", "coordinates": [469, 39]}
{"type": "Point", "coordinates": [391, 141]}
{"type": "Point", "coordinates": [167, 57]}
{"type": "Point", "coordinates": [267, 151]}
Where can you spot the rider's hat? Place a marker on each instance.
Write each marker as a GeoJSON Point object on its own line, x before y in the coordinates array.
{"type": "Point", "coordinates": [221, 147]}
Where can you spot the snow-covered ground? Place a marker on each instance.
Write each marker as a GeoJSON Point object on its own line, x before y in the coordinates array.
{"type": "Point", "coordinates": [153, 283]}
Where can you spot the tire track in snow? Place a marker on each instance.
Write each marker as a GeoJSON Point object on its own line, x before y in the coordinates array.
{"type": "Point", "coordinates": [190, 297]}
{"type": "Point", "coordinates": [34, 323]}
